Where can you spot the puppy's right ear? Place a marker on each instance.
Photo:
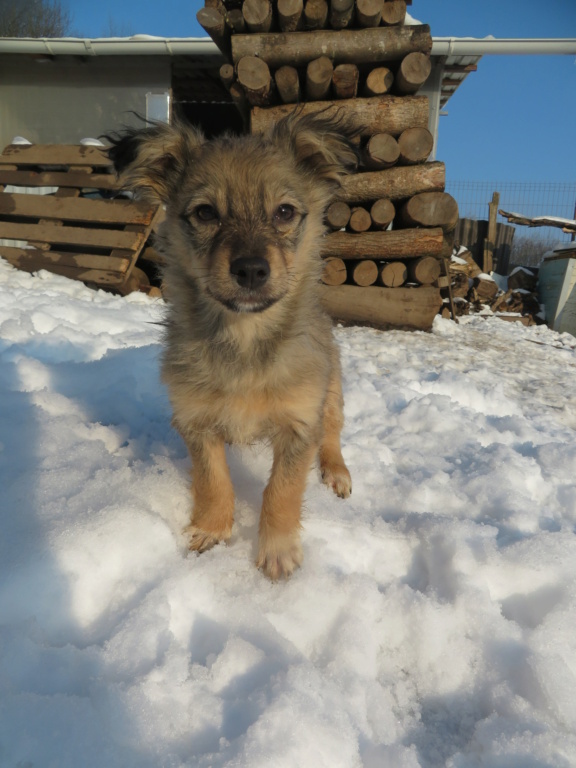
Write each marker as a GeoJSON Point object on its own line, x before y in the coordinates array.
{"type": "Point", "coordinates": [152, 160]}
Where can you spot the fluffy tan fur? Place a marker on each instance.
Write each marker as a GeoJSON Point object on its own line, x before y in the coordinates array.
{"type": "Point", "coordinates": [246, 362]}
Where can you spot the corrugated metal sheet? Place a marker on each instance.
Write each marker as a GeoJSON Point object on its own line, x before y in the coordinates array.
{"type": "Point", "coordinates": [471, 233]}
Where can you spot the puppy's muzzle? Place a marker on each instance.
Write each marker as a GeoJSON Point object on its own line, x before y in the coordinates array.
{"type": "Point", "coordinates": [250, 272]}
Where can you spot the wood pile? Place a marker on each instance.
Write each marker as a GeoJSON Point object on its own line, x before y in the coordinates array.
{"type": "Point", "coordinates": [474, 291]}
{"type": "Point", "coordinates": [391, 226]}
{"type": "Point", "coordinates": [59, 211]}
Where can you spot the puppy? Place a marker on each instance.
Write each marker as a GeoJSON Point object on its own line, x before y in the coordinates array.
{"type": "Point", "coordinates": [249, 353]}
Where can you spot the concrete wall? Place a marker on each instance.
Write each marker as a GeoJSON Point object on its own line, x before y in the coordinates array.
{"type": "Point", "coordinates": [66, 99]}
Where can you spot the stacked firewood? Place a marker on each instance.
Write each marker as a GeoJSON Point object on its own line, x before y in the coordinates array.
{"type": "Point", "coordinates": [472, 291]}
{"type": "Point", "coordinates": [390, 227]}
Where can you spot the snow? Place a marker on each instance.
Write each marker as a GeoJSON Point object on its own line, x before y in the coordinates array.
{"type": "Point", "coordinates": [432, 622]}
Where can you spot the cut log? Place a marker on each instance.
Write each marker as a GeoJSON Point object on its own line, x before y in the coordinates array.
{"type": "Point", "coordinates": [364, 273]}
{"type": "Point", "coordinates": [290, 15]}
{"type": "Point", "coordinates": [235, 21]}
{"type": "Point", "coordinates": [257, 15]}
{"type": "Point", "coordinates": [383, 114]}
{"type": "Point", "coordinates": [334, 272]}
{"type": "Point", "coordinates": [338, 215]}
{"type": "Point", "coordinates": [341, 13]}
{"type": "Point", "coordinates": [393, 274]}
{"type": "Point", "coordinates": [484, 288]}
{"type": "Point", "coordinates": [345, 81]}
{"type": "Point", "coordinates": [213, 23]}
{"type": "Point", "coordinates": [413, 308]}
{"type": "Point", "coordinates": [378, 82]}
{"type": "Point", "coordinates": [254, 76]}
{"type": "Point", "coordinates": [315, 14]}
{"type": "Point", "coordinates": [384, 246]}
{"type": "Point", "coordinates": [394, 12]}
{"type": "Point", "coordinates": [369, 12]}
{"type": "Point", "coordinates": [413, 72]}
{"type": "Point", "coordinates": [429, 209]}
{"type": "Point", "coordinates": [227, 75]}
{"type": "Point", "coordinates": [288, 84]}
{"type": "Point", "coordinates": [360, 220]}
{"type": "Point", "coordinates": [382, 213]}
{"type": "Point", "coordinates": [359, 46]}
{"type": "Point", "coordinates": [382, 151]}
{"type": "Point", "coordinates": [319, 78]}
{"type": "Point", "coordinates": [416, 144]}
{"type": "Point", "coordinates": [394, 183]}
{"type": "Point", "coordinates": [425, 270]}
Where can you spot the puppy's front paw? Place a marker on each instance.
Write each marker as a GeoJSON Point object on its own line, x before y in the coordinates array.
{"type": "Point", "coordinates": [200, 541]}
{"type": "Point", "coordinates": [279, 555]}
{"type": "Point", "coordinates": [337, 477]}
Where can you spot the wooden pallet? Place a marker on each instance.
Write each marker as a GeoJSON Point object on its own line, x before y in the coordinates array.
{"type": "Point", "coordinates": [78, 229]}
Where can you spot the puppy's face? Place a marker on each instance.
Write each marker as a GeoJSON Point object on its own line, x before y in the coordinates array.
{"type": "Point", "coordinates": [244, 214]}
{"type": "Point", "coordinates": [243, 221]}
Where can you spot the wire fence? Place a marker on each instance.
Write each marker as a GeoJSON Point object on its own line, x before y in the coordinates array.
{"type": "Point", "coordinates": [526, 198]}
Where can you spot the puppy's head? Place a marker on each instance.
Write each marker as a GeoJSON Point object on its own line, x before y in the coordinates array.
{"type": "Point", "coordinates": [243, 214]}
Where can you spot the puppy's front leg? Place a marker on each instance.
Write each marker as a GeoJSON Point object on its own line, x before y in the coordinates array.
{"type": "Point", "coordinates": [212, 493]}
{"type": "Point", "coordinates": [280, 551]}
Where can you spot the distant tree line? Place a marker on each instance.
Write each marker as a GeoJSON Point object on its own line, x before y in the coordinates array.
{"type": "Point", "coordinates": [33, 18]}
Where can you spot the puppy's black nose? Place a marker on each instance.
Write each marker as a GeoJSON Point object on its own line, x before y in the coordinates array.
{"type": "Point", "coordinates": [250, 271]}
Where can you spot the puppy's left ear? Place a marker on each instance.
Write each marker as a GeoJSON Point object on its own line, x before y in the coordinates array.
{"type": "Point", "coordinates": [152, 160]}
{"type": "Point", "coordinates": [320, 143]}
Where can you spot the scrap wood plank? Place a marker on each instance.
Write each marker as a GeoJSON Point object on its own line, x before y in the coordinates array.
{"type": "Point", "coordinates": [105, 270]}
{"type": "Point", "coordinates": [55, 234]}
{"type": "Point", "coordinates": [55, 154]}
{"type": "Point", "coordinates": [81, 209]}
{"type": "Point", "coordinates": [94, 240]}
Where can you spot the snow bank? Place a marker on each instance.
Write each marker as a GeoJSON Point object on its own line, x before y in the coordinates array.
{"type": "Point", "coordinates": [432, 623]}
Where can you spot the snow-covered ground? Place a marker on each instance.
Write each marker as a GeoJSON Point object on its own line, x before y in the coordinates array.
{"type": "Point", "coordinates": [432, 623]}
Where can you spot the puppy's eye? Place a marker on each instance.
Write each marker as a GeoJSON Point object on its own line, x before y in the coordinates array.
{"type": "Point", "coordinates": [206, 213]}
{"type": "Point", "coordinates": [284, 213]}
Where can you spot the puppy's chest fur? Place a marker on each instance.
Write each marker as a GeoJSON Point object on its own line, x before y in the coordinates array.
{"type": "Point", "coordinates": [247, 389]}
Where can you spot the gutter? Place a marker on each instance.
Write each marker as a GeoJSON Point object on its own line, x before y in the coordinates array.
{"type": "Point", "coordinates": [204, 47]}
{"type": "Point", "coordinates": [138, 45]}
{"type": "Point", "coordinates": [471, 46]}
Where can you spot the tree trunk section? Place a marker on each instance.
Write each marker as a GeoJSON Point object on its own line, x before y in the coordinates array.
{"type": "Point", "coordinates": [254, 76]}
{"type": "Point", "coordinates": [394, 12]}
{"type": "Point", "coordinates": [413, 308]}
{"type": "Point", "coordinates": [394, 183]}
{"type": "Point", "coordinates": [334, 272]}
{"type": "Point", "coordinates": [341, 13]}
{"type": "Point", "coordinates": [415, 144]}
{"type": "Point", "coordinates": [385, 246]}
{"type": "Point", "coordinates": [214, 24]}
{"type": "Point", "coordinates": [257, 15]}
{"type": "Point", "coordinates": [315, 14]}
{"type": "Point", "coordinates": [319, 79]}
{"type": "Point", "coordinates": [382, 213]}
{"type": "Point", "coordinates": [430, 209]}
{"type": "Point", "coordinates": [382, 151]}
{"type": "Point", "coordinates": [338, 215]}
{"type": "Point", "coordinates": [369, 12]}
{"type": "Point", "coordinates": [360, 220]}
{"type": "Point", "coordinates": [378, 82]}
{"type": "Point", "coordinates": [290, 15]}
{"type": "Point", "coordinates": [345, 81]}
{"type": "Point", "coordinates": [288, 84]}
{"type": "Point", "coordinates": [364, 273]}
{"type": "Point", "coordinates": [383, 114]}
{"type": "Point", "coordinates": [393, 274]}
{"type": "Point", "coordinates": [360, 46]}
{"type": "Point", "coordinates": [413, 72]}
{"type": "Point", "coordinates": [425, 270]}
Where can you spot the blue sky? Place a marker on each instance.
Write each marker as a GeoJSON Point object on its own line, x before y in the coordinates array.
{"type": "Point", "coordinates": [512, 120]}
